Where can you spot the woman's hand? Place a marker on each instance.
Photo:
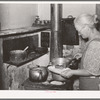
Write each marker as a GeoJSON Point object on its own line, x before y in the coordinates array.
{"type": "Point", "coordinates": [67, 73]}
{"type": "Point", "coordinates": [78, 56]}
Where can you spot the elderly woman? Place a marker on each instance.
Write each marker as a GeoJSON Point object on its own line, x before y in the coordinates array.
{"type": "Point", "coordinates": [89, 70]}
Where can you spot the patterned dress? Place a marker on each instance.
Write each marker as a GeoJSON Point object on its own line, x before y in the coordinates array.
{"type": "Point", "coordinates": [91, 63]}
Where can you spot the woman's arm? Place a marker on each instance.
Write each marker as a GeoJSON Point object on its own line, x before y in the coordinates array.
{"type": "Point", "coordinates": [91, 63]}
{"type": "Point", "coordinates": [79, 72]}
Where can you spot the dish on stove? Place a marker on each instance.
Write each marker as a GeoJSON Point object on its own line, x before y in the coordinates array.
{"type": "Point", "coordinates": [56, 73]}
{"type": "Point", "coordinates": [57, 83]}
{"type": "Point", "coordinates": [60, 62]}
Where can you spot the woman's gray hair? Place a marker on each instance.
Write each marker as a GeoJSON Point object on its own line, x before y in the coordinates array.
{"type": "Point", "coordinates": [86, 19]}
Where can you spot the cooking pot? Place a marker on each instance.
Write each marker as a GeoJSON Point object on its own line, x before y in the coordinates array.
{"type": "Point", "coordinates": [38, 74]}
{"type": "Point", "coordinates": [57, 77]}
{"type": "Point", "coordinates": [59, 63]}
{"type": "Point", "coordinates": [17, 55]}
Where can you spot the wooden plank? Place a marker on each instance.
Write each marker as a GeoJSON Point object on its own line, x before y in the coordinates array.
{"type": "Point", "coordinates": [20, 31]}
{"type": "Point", "coordinates": [19, 36]}
{"type": "Point", "coordinates": [1, 64]}
{"type": "Point", "coordinates": [3, 74]}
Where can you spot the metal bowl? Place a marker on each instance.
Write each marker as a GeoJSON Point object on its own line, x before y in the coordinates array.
{"type": "Point", "coordinates": [57, 77]}
{"type": "Point", "coordinates": [59, 63]}
{"type": "Point", "coordinates": [17, 55]}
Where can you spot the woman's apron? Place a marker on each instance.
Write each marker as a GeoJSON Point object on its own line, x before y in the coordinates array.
{"type": "Point", "coordinates": [90, 82]}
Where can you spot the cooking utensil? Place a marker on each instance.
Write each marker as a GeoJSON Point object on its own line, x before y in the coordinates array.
{"type": "Point", "coordinates": [38, 74]}
{"type": "Point", "coordinates": [25, 49]}
{"type": "Point", "coordinates": [18, 55]}
{"type": "Point", "coordinates": [59, 64]}
{"type": "Point", "coordinates": [55, 72]}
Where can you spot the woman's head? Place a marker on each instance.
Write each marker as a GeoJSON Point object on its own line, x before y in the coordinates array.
{"type": "Point", "coordinates": [84, 24]}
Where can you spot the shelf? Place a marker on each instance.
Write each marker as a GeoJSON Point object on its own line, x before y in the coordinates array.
{"type": "Point", "coordinates": [28, 59]}
{"type": "Point", "coordinates": [22, 31]}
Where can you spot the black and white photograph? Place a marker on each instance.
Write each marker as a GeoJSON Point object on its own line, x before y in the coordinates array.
{"type": "Point", "coordinates": [50, 47]}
